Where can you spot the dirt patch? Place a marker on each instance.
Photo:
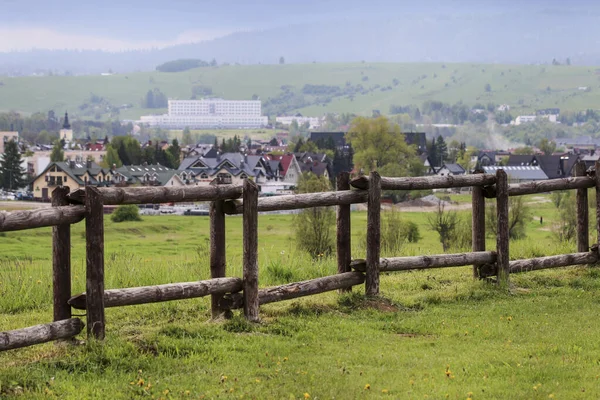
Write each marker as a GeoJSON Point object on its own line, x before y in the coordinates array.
{"type": "Point", "coordinates": [380, 304]}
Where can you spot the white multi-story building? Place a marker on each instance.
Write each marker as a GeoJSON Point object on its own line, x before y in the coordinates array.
{"type": "Point", "coordinates": [313, 122]}
{"type": "Point", "coordinates": [209, 113]}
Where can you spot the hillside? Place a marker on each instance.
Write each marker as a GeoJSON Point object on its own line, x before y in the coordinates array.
{"type": "Point", "coordinates": [352, 87]}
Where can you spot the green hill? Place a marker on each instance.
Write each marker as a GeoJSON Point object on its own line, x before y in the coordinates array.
{"type": "Point", "coordinates": [356, 87]}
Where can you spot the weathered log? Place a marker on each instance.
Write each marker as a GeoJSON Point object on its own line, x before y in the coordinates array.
{"type": "Point", "coordinates": [373, 235]}
{"type": "Point", "coordinates": [427, 182]}
{"type": "Point", "coordinates": [299, 201]}
{"type": "Point", "coordinates": [563, 260]}
{"type": "Point", "coordinates": [583, 235]}
{"type": "Point", "coordinates": [160, 293]}
{"type": "Point", "coordinates": [61, 260]}
{"type": "Point", "coordinates": [94, 238]}
{"type": "Point", "coordinates": [161, 194]}
{"type": "Point", "coordinates": [217, 253]}
{"type": "Point", "coordinates": [427, 262]}
{"type": "Point", "coordinates": [30, 219]}
{"type": "Point", "coordinates": [297, 289]}
{"type": "Point", "coordinates": [502, 238]}
{"type": "Point", "coordinates": [37, 334]}
{"type": "Point", "coordinates": [597, 180]}
{"type": "Point", "coordinates": [343, 232]}
{"type": "Point", "coordinates": [550, 185]}
{"type": "Point", "coordinates": [478, 224]}
{"type": "Point", "coordinates": [250, 240]}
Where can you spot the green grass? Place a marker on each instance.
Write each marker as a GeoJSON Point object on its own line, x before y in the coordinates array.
{"type": "Point", "coordinates": [524, 87]}
{"type": "Point", "coordinates": [434, 334]}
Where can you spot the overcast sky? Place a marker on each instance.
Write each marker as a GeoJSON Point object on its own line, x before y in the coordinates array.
{"type": "Point", "coordinates": [120, 24]}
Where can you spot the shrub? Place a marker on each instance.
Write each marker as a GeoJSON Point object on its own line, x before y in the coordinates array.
{"type": "Point", "coordinates": [411, 232]}
{"type": "Point", "coordinates": [128, 212]}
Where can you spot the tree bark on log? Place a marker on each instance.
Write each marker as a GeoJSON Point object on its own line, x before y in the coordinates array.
{"type": "Point", "coordinates": [427, 262]}
{"type": "Point", "coordinates": [583, 234]}
{"type": "Point", "coordinates": [521, 189]}
{"type": "Point", "coordinates": [159, 293]}
{"type": "Point", "coordinates": [427, 182]}
{"type": "Point", "coordinates": [478, 224]}
{"type": "Point", "coordinates": [61, 260]}
{"type": "Point", "coordinates": [297, 289]}
{"type": "Point", "coordinates": [250, 240]}
{"type": "Point", "coordinates": [373, 235]}
{"type": "Point", "coordinates": [37, 334]}
{"type": "Point", "coordinates": [343, 232]}
{"type": "Point", "coordinates": [502, 238]}
{"type": "Point", "coordinates": [217, 253]}
{"type": "Point", "coordinates": [161, 194]}
{"type": "Point", "coordinates": [30, 219]}
{"type": "Point", "coordinates": [563, 260]}
{"type": "Point", "coordinates": [299, 201]}
{"type": "Point", "coordinates": [94, 238]}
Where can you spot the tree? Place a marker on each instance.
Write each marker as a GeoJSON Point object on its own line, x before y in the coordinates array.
{"type": "Point", "coordinates": [518, 215]}
{"type": "Point", "coordinates": [126, 212]}
{"type": "Point", "coordinates": [57, 153]}
{"type": "Point", "coordinates": [566, 228]}
{"type": "Point", "coordinates": [314, 226]}
{"type": "Point", "coordinates": [547, 146]}
{"type": "Point", "coordinates": [281, 60]}
{"type": "Point", "coordinates": [186, 138]}
{"type": "Point", "coordinates": [128, 149]}
{"type": "Point", "coordinates": [488, 87]}
{"type": "Point", "coordinates": [441, 150]}
{"type": "Point", "coordinates": [379, 145]}
{"type": "Point", "coordinates": [174, 152]}
{"type": "Point", "coordinates": [11, 172]}
{"type": "Point", "coordinates": [526, 150]}
{"type": "Point", "coordinates": [444, 223]}
{"type": "Point", "coordinates": [112, 158]}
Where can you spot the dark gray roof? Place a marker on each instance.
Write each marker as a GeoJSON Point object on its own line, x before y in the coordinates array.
{"type": "Point", "coordinates": [455, 169]}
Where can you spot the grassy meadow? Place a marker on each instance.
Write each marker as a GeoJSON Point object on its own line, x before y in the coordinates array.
{"type": "Point", "coordinates": [524, 87]}
{"type": "Point", "coordinates": [434, 334]}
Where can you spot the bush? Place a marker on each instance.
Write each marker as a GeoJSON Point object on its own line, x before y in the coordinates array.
{"type": "Point", "coordinates": [411, 232]}
{"type": "Point", "coordinates": [129, 212]}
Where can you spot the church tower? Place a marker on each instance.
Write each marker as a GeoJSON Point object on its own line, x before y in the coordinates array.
{"type": "Point", "coordinates": [66, 133]}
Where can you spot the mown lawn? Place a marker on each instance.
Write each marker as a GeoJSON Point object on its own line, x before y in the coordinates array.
{"type": "Point", "coordinates": [434, 334]}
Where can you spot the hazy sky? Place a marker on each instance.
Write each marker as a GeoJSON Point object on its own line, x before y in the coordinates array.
{"type": "Point", "coordinates": [121, 24]}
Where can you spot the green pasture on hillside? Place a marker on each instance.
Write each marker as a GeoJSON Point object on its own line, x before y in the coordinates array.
{"type": "Point", "coordinates": [433, 334]}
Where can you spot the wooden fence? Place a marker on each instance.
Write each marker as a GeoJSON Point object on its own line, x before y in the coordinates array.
{"type": "Point", "coordinates": [233, 293]}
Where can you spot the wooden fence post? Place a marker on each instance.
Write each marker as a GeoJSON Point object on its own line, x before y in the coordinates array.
{"type": "Point", "coordinates": [478, 222]}
{"type": "Point", "coordinates": [250, 230]}
{"type": "Point", "coordinates": [217, 254]}
{"type": "Point", "coordinates": [373, 235]}
{"type": "Point", "coordinates": [583, 234]}
{"type": "Point", "coordinates": [61, 260]}
{"type": "Point", "coordinates": [94, 238]}
{"type": "Point", "coordinates": [598, 201]}
{"type": "Point", "coordinates": [502, 238]}
{"type": "Point", "coordinates": [344, 256]}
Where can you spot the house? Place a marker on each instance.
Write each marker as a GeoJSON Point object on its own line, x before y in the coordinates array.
{"type": "Point", "coordinates": [71, 174]}
{"type": "Point", "coordinates": [522, 119]}
{"type": "Point", "coordinates": [418, 139]}
{"type": "Point", "coordinates": [451, 169]}
{"type": "Point", "coordinates": [485, 158]}
{"type": "Point", "coordinates": [503, 108]}
{"type": "Point", "coordinates": [517, 174]}
{"type": "Point", "coordinates": [146, 175]}
{"type": "Point", "coordinates": [554, 166]}
{"type": "Point", "coordinates": [318, 168]}
{"type": "Point", "coordinates": [290, 169]}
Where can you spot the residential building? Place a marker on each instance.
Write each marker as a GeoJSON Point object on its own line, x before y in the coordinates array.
{"type": "Point", "coordinates": [418, 139]}
{"type": "Point", "coordinates": [555, 166]}
{"type": "Point", "coordinates": [5, 137]}
{"type": "Point", "coordinates": [451, 169]}
{"type": "Point", "coordinates": [313, 122]}
{"type": "Point", "coordinates": [209, 113]}
{"type": "Point", "coordinates": [522, 119]}
{"type": "Point", "coordinates": [518, 174]}
{"type": "Point", "coordinates": [503, 108]}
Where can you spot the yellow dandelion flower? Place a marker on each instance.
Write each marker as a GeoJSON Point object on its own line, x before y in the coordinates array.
{"type": "Point", "coordinates": [149, 385]}
{"type": "Point", "coordinates": [551, 396]}
{"type": "Point", "coordinates": [384, 390]}
{"type": "Point", "coordinates": [187, 392]}
{"type": "Point", "coordinates": [258, 381]}
{"type": "Point", "coordinates": [231, 390]}
{"type": "Point", "coordinates": [468, 398]}
{"type": "Point", "coordinates": [509, 318]}
{"type": "Point", "coordinates": [535, 388]}
{"type": "Point", "coordinates": [141, 382]}
{"type": "Point", "coordinates": [367, 387]}
{"type": "Point", "coordinates": [306, 396]}
{"type": "Point", "coordinates": [411, 382]}
{"type": "Point", "coordinates": [285, 358]}
{"type": "Point", "coordinates": [166, 392]}
{"type": "Point", "coordinates": [38, 282]}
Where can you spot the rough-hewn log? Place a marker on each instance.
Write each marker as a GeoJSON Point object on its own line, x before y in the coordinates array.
{"type": "Point", "coordinates": [217, 253]}
{"type": "Point", "coordinates": [61, 260]}
{"type": "Point", "coordinates": [343, 232]}
{"type": "Point", "coordinates": [161, 194]}
{"type": "Point", "coordinates": [427, 262]}
{"type": "Point", "coordinates": [297, 289]}
{"type": "Point", "coordinates": [250, 240]}
{"type": "Point", "coordinates": [563, 260]}
{"type": "Point", "coordinates": [298, 201]}
{"type": "Point", "coordinates": [427, 182]}
{"type": "Point", "coordinates": [30, 219]}
{"type": "Point", "coordinates": [597, 180]}
{"type": "Point", "coordinates": [477, 224]}
{"type": "Point", "coordinates": [37, 334]}
{"type": "Point", "coordinates": [583, 234]}
{"type": "Point", "coordinates": [502, 238]}
{"type": "Point", "coordinates": [159, 293]}
{"type": "Point", "coordinates": [521, 189]}
{"type": "Point", "coordinates": [373, 235]}
{"type": "Point", "coordinates": [94, 237]}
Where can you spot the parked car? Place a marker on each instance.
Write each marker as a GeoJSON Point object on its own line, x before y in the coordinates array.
{"type": "Point", "coordinates": [24, 196]}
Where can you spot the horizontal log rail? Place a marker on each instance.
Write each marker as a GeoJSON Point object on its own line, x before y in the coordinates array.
{"type": "Point", "coordinates": [30, 219]}
{"type": "Point", "coordinates": [161, 194]}
{"type": "Point", "coordinates": [299, 201]}
{"type": "Point", "coordinates": [550, 185]}
{"type": "Point", "coordinates": [562, 260]}
{"type": "Point", "coordinates": [427, 182]}
{"type": "Point", "coordinates": [296, 289]}
{"type": "Point", "coordinates": [159, 293]}
{"type": "Point", "coordinates": [426, 262]}
{"type": "Point", "coordinates": [64, 329]}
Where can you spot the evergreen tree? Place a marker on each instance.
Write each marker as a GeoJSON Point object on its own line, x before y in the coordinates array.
{"type": "Point", "coordinates": [433, 157]}
{"type": "Point", "coordinates": [11, 172]}
{"type": "Point", "coordinates": [442, 150]}
{"type": "Point", "coordinates": [174, 153]}
{"type": "Point", "coordinates": [299, 145]}
{"type": "Point", "coordinates": [57, 154]}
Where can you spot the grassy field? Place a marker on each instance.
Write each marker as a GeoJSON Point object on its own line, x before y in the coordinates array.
{"type": "Point", "coordinates": [435, 334]}
{"type": "Point", "coordinates": [524, 87]}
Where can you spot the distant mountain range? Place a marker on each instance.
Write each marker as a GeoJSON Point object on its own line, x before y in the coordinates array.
{"type": "Point", "coordinates": [516, 37]}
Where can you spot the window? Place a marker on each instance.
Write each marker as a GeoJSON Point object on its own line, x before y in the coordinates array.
{"type": "Point", "coordinates": [243, 176]}
{"type": "Point", "coordinates": [223, 178]}
{"type": "Point", "coordinates": [203, 176]}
